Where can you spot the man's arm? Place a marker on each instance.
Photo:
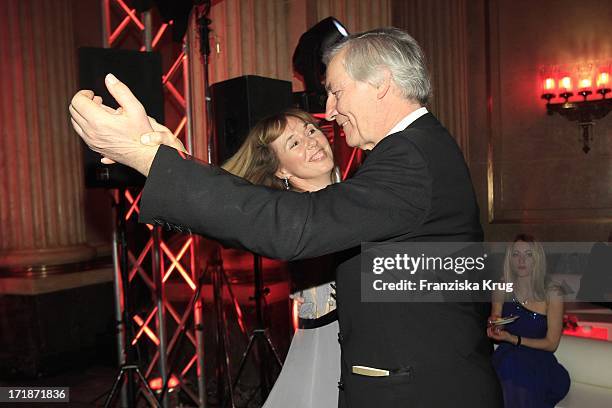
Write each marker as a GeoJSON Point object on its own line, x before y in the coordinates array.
{"type": "Point", "coordinates": [389, 196]}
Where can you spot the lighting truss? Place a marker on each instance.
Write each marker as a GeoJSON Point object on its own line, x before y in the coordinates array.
{"type": "Point", "coordinates": [160, 326]}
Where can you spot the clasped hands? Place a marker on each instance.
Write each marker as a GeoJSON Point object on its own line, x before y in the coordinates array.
{"type": "Point", "coordinates": [125, 135]}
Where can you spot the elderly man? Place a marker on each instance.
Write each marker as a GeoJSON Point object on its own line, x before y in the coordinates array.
{"type": "Point", "coordinates": [413, 186]}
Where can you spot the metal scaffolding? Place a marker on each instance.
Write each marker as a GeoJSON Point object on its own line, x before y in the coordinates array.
{"type": "Point", "coordinates": [175, 359]}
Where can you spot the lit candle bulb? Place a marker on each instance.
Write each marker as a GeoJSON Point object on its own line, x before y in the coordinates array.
{"type": "Point", "coordinates": [584, 86]}
{"type": "Point", "coordinates": [549, 84]}
{"type": "Point", "coordinates": [565, 85]}
{"type": "Point", "coordinates": [603, 84]}
{"type": "Point", "coordinates": [585, 83]}
{"type": "Point", "coordinates": [603, 80]}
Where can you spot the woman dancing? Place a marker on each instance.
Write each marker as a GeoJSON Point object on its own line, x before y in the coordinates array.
{"type": "Point", "coordinates": [288, 151]}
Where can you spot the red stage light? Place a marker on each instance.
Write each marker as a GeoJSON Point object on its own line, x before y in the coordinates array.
{"type": "Point", "coordinates": [156, 383]}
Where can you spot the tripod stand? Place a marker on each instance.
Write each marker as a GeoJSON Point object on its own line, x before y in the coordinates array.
{"type": "Point", "coordinates": [259, 335]}
{"type": "Point", "coordinates": [219, 279]}
{"type": "Point", "coordinates": [120, 262]}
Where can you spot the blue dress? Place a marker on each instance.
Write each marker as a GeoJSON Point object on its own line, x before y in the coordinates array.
{"type": "Point", "coordinates": [530, 378]}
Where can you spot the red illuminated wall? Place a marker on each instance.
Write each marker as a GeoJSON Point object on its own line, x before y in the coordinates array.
{"type": "Point", "coordinates": [528, 167]}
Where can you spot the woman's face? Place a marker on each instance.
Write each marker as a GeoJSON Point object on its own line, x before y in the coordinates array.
{"type": "Point", "coordinates": [522, 259]}
{"type": "Point", "coordinates": [304, 154]}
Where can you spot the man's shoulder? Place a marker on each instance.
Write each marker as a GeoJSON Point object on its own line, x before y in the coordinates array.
{"type": "Point", "coordinates": [400, 146]}
{"type": "Point", "coordinates": [424, 142]}
{"type": "Point", "coordinates": [426, 129]}
{"type": "Point", "coordinates": [432, 138]}
{"type": "Point", "coordinates": [423, 129]}
{"type": "Point", "coordinates": [421, 138]}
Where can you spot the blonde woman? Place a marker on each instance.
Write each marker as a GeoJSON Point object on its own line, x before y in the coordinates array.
{"type": "Point", "coordinates": [526, 366]}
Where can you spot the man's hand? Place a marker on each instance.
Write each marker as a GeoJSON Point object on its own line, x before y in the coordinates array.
{"type": "Point", "coordinates": [114, 133]}
{"type": "Point", "coordinates": [160, 135]}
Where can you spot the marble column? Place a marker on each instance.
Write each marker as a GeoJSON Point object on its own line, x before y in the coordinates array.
{"type": "Point", "coordinates": [41, 183]}
{"type": "Point", "coordinates": [440, 27]}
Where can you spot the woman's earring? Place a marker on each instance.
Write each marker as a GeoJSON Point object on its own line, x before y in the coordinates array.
{"type": "Point", "coordinates": [286, 183]}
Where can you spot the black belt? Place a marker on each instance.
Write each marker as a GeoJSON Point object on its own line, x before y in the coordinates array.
{"type": "Point", "coordinates": [324, 320]}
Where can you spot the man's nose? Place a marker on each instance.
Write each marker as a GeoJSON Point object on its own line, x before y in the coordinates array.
{"type": "Point", "coordinates": [330, 108]}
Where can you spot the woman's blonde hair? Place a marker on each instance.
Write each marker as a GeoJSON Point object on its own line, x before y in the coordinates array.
{"type": "Point", "coordinates": [255, 160]}
{"type": "Point", "coordinates": [539, 281]}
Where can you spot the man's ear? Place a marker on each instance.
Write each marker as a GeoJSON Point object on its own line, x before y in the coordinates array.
{"type": "Point", "coordinates": [384, 84]}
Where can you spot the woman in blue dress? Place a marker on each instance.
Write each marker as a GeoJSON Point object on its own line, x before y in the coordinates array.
{"type": "Point", "coordinates": [530, 375]}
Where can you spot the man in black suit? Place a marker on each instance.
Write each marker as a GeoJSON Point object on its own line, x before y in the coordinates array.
{"type": "Point", "coordinates": [413, 186]}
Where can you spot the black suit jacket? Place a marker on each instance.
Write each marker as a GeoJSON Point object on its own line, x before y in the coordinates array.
{"type": "Point", "coordinates": [413, 186]}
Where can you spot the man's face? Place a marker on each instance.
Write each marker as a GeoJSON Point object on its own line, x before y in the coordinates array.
{"type": "Point", "coordinates": [352, 104]}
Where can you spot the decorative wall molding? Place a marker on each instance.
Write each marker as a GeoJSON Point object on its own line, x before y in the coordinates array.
{"type": "Point", "coordinates": [41, 188]}
{"type": "Point", "coordinates": [440, 27]}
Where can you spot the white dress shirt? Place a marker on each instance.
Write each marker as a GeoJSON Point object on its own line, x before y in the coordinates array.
{"type": "Point", "coordinates": [411, 117]}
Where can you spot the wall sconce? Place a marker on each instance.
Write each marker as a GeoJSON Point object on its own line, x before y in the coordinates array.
{"type": "Point", "coordinates": [590, 102]}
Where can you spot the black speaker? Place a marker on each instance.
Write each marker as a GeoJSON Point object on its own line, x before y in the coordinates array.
{"type": "Point", "coordinates": [241, 102]}
{"type": "Point", "coordinates": [142, 73]}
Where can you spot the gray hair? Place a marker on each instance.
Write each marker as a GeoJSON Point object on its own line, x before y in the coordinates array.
{"type": "Point", "coordinates": [387, 47]}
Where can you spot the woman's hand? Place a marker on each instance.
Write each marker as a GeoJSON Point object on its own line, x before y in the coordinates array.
{"type": "Point", "coordinates": [297, 297]}
{"type": "Point", "coordinates": [160, 135]}
{"type": "Point", "coordinates": [499, 334]}
{"type": "Point", "coordinates": [492, 319]}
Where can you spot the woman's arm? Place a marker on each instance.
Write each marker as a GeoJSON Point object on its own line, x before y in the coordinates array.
{"type": "Point", "coordinates": [497, 303]}
{"type": "Point", "coordinates": [554, 317]}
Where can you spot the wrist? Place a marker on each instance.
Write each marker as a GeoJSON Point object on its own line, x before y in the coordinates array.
{"type": "Point", "coordinates": [517, 341]}
{"type": "Point", "coordinates": [145, 158]}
